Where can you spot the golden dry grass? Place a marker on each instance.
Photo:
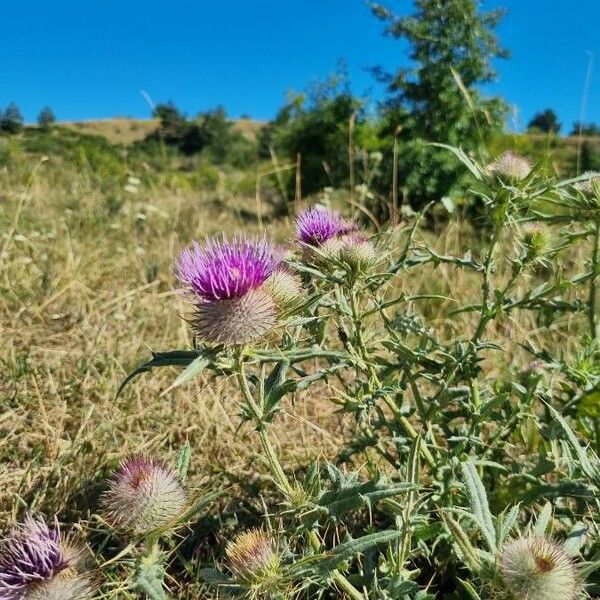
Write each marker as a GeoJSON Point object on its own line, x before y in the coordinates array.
{"type": "Point", "coordinates": [87, 291]}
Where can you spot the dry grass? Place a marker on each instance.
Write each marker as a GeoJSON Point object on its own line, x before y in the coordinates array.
{"type": "Point", "coordinates": [126, 131]}
{"type": "Point", "coordinates": [87, 290]}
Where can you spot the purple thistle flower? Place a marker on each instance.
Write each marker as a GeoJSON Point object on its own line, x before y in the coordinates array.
{"type": "Point", "coordinates": [29, 555]}
{"type": "Point", "coordinates": [223, 269]}
{"type": "Point", "coordinates": [317, 225]}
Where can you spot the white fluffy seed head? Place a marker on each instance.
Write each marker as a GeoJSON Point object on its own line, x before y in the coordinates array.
{"type": "Point", "coordinates": [144, 495]}
{"type": "Point", "coordinates": [236, 321]}
{"type": "Point", "coordinates": [537, 568]}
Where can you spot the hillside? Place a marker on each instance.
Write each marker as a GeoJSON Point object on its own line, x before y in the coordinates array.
{"type": "Point", "coordinates": [126, 131]}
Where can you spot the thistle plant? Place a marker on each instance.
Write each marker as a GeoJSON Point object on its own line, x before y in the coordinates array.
{"type": "Point", "coordinates": [144, 495]}
{"type": "Point", "coordinates": [424, 422]}
{"type": "Point", "coordinates": [37, 563]}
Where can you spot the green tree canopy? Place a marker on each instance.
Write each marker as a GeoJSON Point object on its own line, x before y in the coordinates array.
{"type": "Point", "coordinates": [545, 121]}
{"type": "Point", "coordinates": [46, 117]}
{"type": "Point", "coordinates": [11, 119]}
{"type": "Point", "coordinates": [436, 97]}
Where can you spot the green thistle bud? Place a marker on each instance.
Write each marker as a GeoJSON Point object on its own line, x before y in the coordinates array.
{"type": "Point", "coordinates": [536, 568]}
{"type": "Point", "coordinates": [252, 557]}
{"type": "Point", "coordinates": [285, 289]}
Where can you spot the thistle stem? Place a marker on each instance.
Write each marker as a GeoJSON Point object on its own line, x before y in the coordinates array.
{"type": "Point", "coordinates": [364, 355]}
{"type": "Point", "coordinates": [275, 466]}
{"type": "Point", "coordinates": [279, 475]}
{"type": "Point", "coordinates": [592, 316]}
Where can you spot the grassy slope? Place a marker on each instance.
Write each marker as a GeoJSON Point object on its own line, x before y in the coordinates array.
{"type": "Point", "coordinates": [125, 131]}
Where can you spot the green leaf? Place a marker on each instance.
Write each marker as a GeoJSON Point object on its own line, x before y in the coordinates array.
{"type": "Point", "coordinates": [543, 520]}
{"type": "Point", "coordinates": [507, 524]}
{"type": "Point", "coordinates": [461, 540]}
{"type": "Point", "coordinates": [183, 460]}
{"type": "Point", "coordinates": [149, 577]}
{"type": "Point", "coordinates": [175, 358]}
{"type": "Point", "coordinates": [479, 503]}
{"type": "Point", "coordinates": [469, 589]}
{"type": "Point", "coordinates": [349, 549]}
{"type": "Point", "coordinates": [575, 540]}
{"type": "Point", "coordinates": [191, 371]}
{"type": "Point", "coordinates": [587, 466]}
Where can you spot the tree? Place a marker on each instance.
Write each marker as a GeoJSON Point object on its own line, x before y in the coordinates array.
{"type": "Point", "coordinates": [436, 98]}
{"type": "Point", "coordinates": [316, 127]}
{"type": "Point", "coordinates": [46, 117]}
{"type": "Point", "coordinates": [588, 129]}
{"type": "Point", "coordinates": [545, 121]}
{"type": "Point", "coordinates": [11, 119]}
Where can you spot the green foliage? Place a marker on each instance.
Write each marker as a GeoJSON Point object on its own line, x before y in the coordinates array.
{"type": "Point", "coordinates": [315, 127]}
{"type": "Point", "coordinates": [46, 117]}
{"type": "Point", "coordinates": [210, 133]}
{"type": "Point", "coordinates": [545, 121]}
{"type": "Point", "coordinates": [11, 119]}
{"type": "Point", "coordinates": [454, 461]}
{"type": "Point", "coordinates": [436, 99]}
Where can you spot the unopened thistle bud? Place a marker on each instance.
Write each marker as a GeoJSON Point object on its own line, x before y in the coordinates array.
{"type": "Point", "coordinates": [36, 564]}
{"type": "Point", "coordinates": [357, 251]}
{"type": "Point", "coordinates": [537, 568]}
{"type": "Point", "coordinates": [144, 495]}
{"type": "Point", "coordinates": [285, 289]}
{"type": "Point", "coordinates": [535, 239]}
{"type": "Point", "coordinates": [226, 279]}
{"type": "Point", "coordinates": [510, 166]}
{"type": "Point", "coordinates": [589, 186]}
{"type": "Point", "coordinates": [252, 557]}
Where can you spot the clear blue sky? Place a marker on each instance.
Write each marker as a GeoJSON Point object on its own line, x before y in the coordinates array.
{"type": "Point", "coordinates": [91, 59]}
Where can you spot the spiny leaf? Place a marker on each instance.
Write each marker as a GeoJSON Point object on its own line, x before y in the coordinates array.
{"type": "Point", "coordinates": [348, 549]}
{"type": "Point", "coordinates": [175, 358]}
{"type": "Point", "coordinates": [479, 503]}
{"type": "Point", "coordinates": [191, 371]}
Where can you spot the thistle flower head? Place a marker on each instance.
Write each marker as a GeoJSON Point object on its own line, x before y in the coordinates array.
{"type": "Point", "coordinates": [510, 166]}
{"type": "Point", "coordinates": [285, 289]}
{"type": "Point", "coordinates": [238, 320]}
{"type": "Point", "coordinates": [536, 568]}
{"type": "Point", "coordinates": [535, 238]}
{"type": "Point", "coordinates": [224, 269]}
{"type": "Point", "coordinates": [34, 562]}
{"type": "Point", "coordinates": [144, 495]}
{"type": "Point", "coordinates": [251, 556]}
{"type": "Point", "coordinates": [317, 225]}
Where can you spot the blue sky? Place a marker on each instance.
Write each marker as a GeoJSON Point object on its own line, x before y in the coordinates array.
{"type": "Point", "coordinates": [90, 60]}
